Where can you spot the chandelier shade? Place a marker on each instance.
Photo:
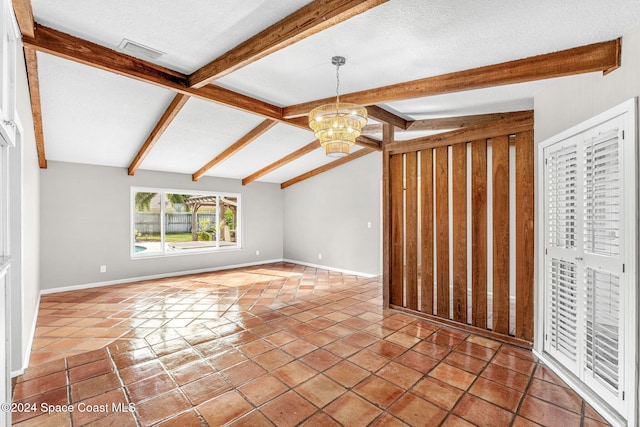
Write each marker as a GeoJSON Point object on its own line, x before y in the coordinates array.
{"type": "Point", "coordinates": [337, 125]}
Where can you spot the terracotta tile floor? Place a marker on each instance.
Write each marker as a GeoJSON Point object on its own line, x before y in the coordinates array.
{"type": "Point", "coordinates": [278, 344]}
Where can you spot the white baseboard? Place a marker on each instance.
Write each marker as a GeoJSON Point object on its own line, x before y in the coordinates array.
{"type": "Point", "coordinates": [326, 267]}
{"type": "Point", "coordinates": [576, 385]}
{"type": "Point", "coordinates": [154, 276]}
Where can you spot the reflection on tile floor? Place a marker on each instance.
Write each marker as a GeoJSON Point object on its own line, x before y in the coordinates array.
{"type": "Point", "coordinates": [278, 344]}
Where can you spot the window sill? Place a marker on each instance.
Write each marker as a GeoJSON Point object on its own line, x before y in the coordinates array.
{"type": "Point", "coordinates": [183, 252]}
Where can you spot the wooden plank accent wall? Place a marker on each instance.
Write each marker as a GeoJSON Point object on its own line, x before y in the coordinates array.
{"type": "Point", "coordinates": [426, 231]}
{"type": "Point", "coordinates": [479, 233]}
{"type": "Point", "coordinates": [439, 229]}
{"type": "Point", "coordinates": [500, 183]}
{"type": "Point", "coordinates": [442, 229]}
{"type": "Point", "coordinates": [397, 229]}
{"type": "Point", "coordinates": [524, 229]}
{"type": "Point", "coordinates": [459, 221]}
{"type": "Point", "coordinates": [411, 231]}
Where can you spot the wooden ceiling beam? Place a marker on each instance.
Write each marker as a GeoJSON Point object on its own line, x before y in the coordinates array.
{"type": "Point", "coordinates": [24, 16]}
{"type": "Point", "coordinates": [604, 57]}
{"type": "Point", "coordinates": [488, 130]}
{"type": "Point", "coordinates": [341, 161]}
{"type": "Point", "coordinates": [306, 21]}
{"type": "Point", "coordinates": [459, 122]}
{"type": "Point", "coordinates": [385, 116]}
{"type": "Point", "coordinates": [235, 147]}
{"type": "Point", "coordinates": [31, 61]}
{"type": "Point", "coordinates": [85, 52]}
{"type": "Point", "coordinates": [281, 162]}
{"type": "Point", "coordinates": [172, 111]}
{"type": "Point", "coordinates": [450, 123]}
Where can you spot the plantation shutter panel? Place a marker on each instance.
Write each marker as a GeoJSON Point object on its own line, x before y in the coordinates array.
{"type": "Point", "coordinates": [563, 204]}
{"type": "Point", "coordinates": [602, 195]}
{"type": "Point", "coordinates": [602, 248]}
{"type": "Point", "coordinates": [562, 176]}
{"type": "Point", "coordinates": [564, 311]}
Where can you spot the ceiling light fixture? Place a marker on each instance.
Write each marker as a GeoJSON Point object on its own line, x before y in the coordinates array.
{"type": "Point", "coordinates": [337, 125]}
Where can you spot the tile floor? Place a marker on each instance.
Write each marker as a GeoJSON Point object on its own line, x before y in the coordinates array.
{"type": "Point", "coordinates": [278, 344]}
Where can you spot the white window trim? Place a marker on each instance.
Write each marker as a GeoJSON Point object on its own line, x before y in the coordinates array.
{"type": "Point", "coordinates": [141, 255]}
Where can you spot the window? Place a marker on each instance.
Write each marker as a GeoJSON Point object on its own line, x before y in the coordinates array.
{"type": "Point", "coordinates": [170, 222]}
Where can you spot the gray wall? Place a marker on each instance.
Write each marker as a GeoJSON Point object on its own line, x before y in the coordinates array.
{"type": "Point", "coordinates": [25, 225]}
{"type": "Point", "coordinates": [572, 100]}
{"type": "Point", "coordinates": [85, 223]}
{"type": "Point", "coordinates": [328, 214]}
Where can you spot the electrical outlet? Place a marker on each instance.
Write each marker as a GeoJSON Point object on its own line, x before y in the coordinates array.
{"type": "Point", "coordinates": [369, 224]}
{"type": "Point", "coordinates": [319, 256]}
{"type": "Point", "coordinates": [257, 252]}
{"type": "Point", "coordinates": [103, 269]}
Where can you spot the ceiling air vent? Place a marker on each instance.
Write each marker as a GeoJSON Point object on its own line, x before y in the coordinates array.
{"type": "Point", "coordinates": [136, 49]}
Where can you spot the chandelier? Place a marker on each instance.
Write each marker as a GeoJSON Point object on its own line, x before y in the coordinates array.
{"type": "Point", "coordinates": [337, 125]}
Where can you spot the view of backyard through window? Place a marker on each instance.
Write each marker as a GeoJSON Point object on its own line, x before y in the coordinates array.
{"type": "Point", "coordinates": [175, 222]}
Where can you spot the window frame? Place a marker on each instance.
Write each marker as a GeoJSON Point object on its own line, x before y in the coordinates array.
{"type": "Point", "coordinates": [192, 251]}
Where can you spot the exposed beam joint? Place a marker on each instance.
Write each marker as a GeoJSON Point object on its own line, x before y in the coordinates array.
{"type": "Point", "coordinates": [24, 16]}
{"type": "Point", "coordinates": [367, 142]}
{"type": "Point", "coordinates": [172, 111]}
{"type": "Point", "coordinates": [66, 46]}
{"type": "Point", "coordinates": [31, 60]}
{"type": "Point", "coordinates": [385, 116]}
{"type": "Point", "coordinates": [487, 130]}
{"type": "Point", "coordinates": [306, 21]}
{"type": "Point", "coordinates": [603, 57]}
{"type": "Point", "coordinates": [235, 147]}
{"type": "Point", "coordinates": [328, 166]}
{"type": "Point", "coordinates": [281, 162]}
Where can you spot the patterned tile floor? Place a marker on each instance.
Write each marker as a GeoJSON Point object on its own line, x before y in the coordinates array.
{"type": "Point", "coordinates": [278, 344]}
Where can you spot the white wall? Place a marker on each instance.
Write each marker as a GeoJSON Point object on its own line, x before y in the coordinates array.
{"type": "Point", "coordinates": [85, 223]}
{"type": "Point", "coordinates": [328, 215]}
{"type": "Point", "coordinates": [25, 224]}
{"type": "Point", "coordinates": [573, 100]}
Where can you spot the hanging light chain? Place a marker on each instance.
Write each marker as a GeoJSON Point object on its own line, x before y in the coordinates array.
{"type": "Point", "coordinates": [337, 83]}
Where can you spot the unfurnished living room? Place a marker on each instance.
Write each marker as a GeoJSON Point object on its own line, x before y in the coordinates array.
{"type": "Point", "coordinates": [319, 213]}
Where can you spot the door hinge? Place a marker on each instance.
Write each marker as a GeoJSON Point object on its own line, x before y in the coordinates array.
{"type": "Point", "coordinates": [622, 134]}
{"type": "Point", "coordinates": [546, 251]}
{"type": "Point", "coordinates": [545, 160]}
{"type": "Point", "coordinates": [623, 395]}
{"type": "Point", "coordinates": [623, 268]}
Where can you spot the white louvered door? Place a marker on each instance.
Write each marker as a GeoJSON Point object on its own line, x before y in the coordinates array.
{"type": "Point", "coordinates": [589, 207]}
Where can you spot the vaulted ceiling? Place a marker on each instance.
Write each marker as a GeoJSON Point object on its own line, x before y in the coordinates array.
{"type": "Point", "coordinates": [228, 89]}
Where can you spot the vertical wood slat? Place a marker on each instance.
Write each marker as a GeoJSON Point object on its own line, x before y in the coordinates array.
{"type": "Point", "coordinates": [500, 187]}
{"type": "Point", "coordinates": [479, 233]}
{"type": "Point", "coordinates": [459, 224]}
{"type": "Point", "coordinates": [442, 230]}
{"type": "Point", "coordinates": [426, 231]}
{"type": "Point", "coordinates": [387, 138]}
{"type": "Point", "coordinates": [524, 235]}
{"type": "Point", "coordinates": [396, 169]}
{"type": "Point", "coordinates": [411, 229]}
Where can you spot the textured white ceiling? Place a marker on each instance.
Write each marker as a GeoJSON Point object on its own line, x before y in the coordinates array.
{"type": "Point", "coordinates": [95, 117]}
